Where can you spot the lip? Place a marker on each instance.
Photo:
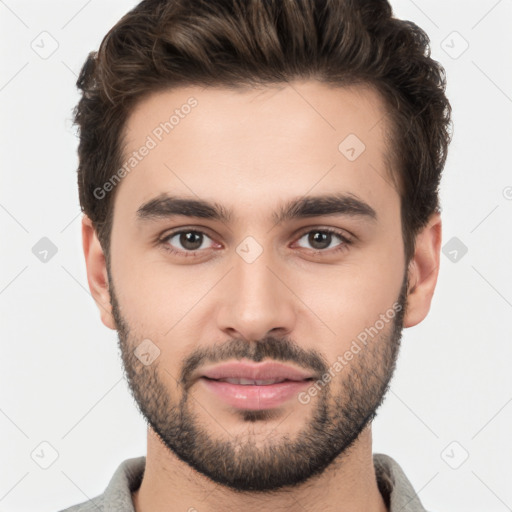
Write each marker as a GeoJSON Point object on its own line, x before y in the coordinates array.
{"type": "Point", "coordinates": [255, 397]}
{"type": "Point", "coordinates": [256, 371]}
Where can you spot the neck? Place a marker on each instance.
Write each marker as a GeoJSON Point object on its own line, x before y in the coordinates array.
{"type": "Point", "coordinates": [348, 484]}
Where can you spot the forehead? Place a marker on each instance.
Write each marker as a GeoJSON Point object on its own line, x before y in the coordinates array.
{"type": "Point", "coordinates": [255, 147]}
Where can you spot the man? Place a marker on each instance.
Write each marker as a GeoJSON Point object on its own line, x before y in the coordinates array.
{"type": "Point", "coordinates": [260, 187]}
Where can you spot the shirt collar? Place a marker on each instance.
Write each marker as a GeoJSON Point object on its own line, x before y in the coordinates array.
{"type": "Point", "coordinates": [395, 487]}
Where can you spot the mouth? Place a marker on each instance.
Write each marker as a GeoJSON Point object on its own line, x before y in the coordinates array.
{"type": "Point", "coordinates": [247, 372]}
{"type": "Point", "coordinates": [249, 386]}
{"type": "Point", "coordinates": [256, 382]}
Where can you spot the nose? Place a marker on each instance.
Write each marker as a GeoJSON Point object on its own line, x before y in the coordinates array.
{"type": "Point", "coordinates": [257, 299]}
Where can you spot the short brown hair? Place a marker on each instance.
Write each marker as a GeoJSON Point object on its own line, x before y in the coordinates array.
{"type": "Point", "coordinates": [162, 44]}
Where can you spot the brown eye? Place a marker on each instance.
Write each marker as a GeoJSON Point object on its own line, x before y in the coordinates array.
{"type": "Point", "coordinates": [321, 239]}
{"type": "Point", "coordinates": [187, 241]}
{"type": "Point", "coordinates": [191, 240]}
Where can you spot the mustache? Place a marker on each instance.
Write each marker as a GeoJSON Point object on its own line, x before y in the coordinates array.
{"type": "Point", "coordinates": [279, 349]}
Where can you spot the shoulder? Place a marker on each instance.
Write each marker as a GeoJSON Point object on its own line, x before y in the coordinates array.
{"type": "Point", "coordinates": [93, 505]}
{"type": "Point", "coordinates": [395, 487]}
{"type": "Point", "coordinates": [117, 495]}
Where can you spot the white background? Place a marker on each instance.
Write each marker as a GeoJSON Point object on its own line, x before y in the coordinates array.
{"type": "Point", "coordinates": [61, 376]}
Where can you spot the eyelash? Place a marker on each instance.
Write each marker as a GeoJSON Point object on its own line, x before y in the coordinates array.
{"type": "Point", "coordinates": [346, 241]}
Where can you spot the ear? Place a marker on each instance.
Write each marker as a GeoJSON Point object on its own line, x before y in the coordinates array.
{"type": "Point", "coordinates": [97, 276]}
{"type": "Point", "coordinates": [423, 271]}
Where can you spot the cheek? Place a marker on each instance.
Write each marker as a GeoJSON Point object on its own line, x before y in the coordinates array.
{"type": "Point", "coordinates": [159, 299]}
{"type": "Point", "coordinates": [349, 300]}
{"type": "Point", "coordinates": [154, 308]}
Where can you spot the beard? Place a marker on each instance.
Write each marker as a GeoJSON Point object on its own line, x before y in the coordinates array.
{"type": "Point", "coordinates": [342, 409]}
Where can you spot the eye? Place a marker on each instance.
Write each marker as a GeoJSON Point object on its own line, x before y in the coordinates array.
{"type": "Point", "coordinates": [193, 241]}
{"type": "Point", "coordinates": [190, 240]}
{"type": "Point", "coordinates": [321, 239]}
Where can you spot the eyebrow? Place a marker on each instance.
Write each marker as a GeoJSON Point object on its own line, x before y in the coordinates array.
{"type": "Point", "coordinates": [166, 206]}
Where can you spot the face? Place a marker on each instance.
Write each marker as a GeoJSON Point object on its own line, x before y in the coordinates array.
{"type": "Point", "coordinates": [291, 252]}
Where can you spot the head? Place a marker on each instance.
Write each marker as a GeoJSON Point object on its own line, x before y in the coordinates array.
{"type": "Point", "coordinates": [247, 127]}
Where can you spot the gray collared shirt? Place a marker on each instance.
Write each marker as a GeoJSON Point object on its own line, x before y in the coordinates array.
{"type": "Point", "coordinates": [394, 486]}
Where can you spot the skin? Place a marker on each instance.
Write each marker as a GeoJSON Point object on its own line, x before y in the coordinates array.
{"type": "Point", "coordinates": [250, 151]}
